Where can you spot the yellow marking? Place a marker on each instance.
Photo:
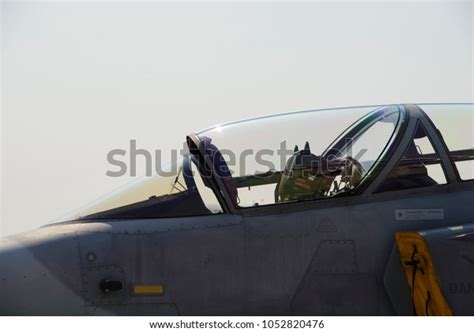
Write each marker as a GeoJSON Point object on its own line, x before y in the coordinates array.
{"type": "Point", "coordinates": [425, 289]}
{"type": "Point", "coordinates": [148, 289]}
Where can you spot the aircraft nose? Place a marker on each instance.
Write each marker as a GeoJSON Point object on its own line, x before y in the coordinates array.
{"type": "Point", "coordinates": [39, 275]}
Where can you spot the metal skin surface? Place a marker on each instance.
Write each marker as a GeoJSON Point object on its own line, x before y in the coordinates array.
{"type": "Point", "coordinates": [306, 258]}
{"type": "Point", "coordinates": [452, 249]}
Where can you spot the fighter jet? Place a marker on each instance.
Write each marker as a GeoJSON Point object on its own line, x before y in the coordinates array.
{"type": "Point", "coordinates": [351, 211]}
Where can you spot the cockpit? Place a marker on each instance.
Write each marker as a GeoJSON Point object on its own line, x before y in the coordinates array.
{"type": "Point", "coordinates": [306, 156]}
{"type": "Point", "coordinates": [285, 158]}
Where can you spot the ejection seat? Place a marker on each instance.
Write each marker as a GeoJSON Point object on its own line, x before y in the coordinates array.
{"type": "Point", "coordinates": [411, 172]}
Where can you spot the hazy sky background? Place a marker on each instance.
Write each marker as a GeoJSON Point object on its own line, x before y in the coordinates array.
{"type": "Point", "coordinates": [80, 79]}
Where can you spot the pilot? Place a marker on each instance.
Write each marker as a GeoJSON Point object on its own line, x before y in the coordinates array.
{"type": "Point", "coordinates": [307, 176]}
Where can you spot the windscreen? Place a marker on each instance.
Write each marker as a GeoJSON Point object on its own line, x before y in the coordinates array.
{"type": "Point", "coordinates": [156, 196]}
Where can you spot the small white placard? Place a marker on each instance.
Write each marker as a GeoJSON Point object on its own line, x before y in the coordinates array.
{"type": "Point", "coordinates": [419, 214]}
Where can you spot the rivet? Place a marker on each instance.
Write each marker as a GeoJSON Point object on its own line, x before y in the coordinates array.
{"type": "Point", "coordinates": [91, 257]}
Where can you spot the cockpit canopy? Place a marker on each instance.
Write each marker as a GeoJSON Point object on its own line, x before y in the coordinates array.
{"type": "Point", "coordinates": [311, 155]}
{"type": "Point", "coordinates": [302, 156]}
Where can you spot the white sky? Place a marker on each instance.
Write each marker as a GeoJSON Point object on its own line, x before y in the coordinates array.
{"type": "Point", "coordinates": [80, 79]}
